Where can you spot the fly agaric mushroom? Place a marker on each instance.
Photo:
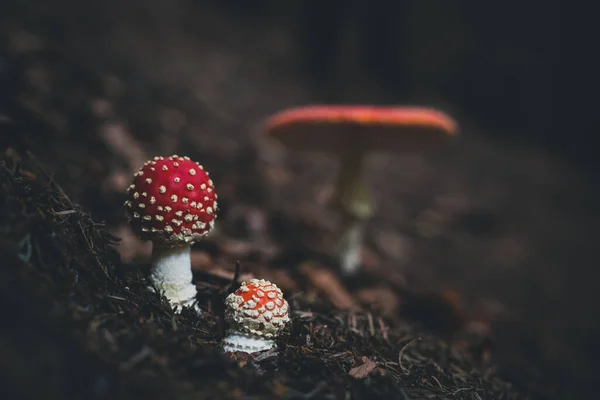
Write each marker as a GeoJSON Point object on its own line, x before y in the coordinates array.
{"type": "Point", "coordinates": [172, 202]}
{"type": "Point", "coordinates": [351, 132]}
{"type": "Point", "coordinates": [256, 313]}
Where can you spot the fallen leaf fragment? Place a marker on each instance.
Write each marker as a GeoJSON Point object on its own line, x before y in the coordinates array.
{"type": "Point", "coordinates": [326, 282]}
{"type": "Point", "coordinates": [363, 370]}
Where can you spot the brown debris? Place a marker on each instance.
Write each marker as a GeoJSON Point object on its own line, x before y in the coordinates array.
{"type": "Point", "coordinates": [370, 259]}
{"type": "Point", "coordinates": [228, 275]}
{"type": "Point", "coordinates": [130, 247]}
{"type": "Point", "coordinates": [120, 140]}
{"type": "Point", "coordinates": [329, 285]}
{"type": "Point", "coordinates": [283, 279]}
{"type": "Point", "coordinates": [201, 260]}
{"type": "Point", "coordinates": [363, 370]}
{"type": "Point", "coordinates": [381, 298]}
{"type": "Point", "coordinates": [393, 245]}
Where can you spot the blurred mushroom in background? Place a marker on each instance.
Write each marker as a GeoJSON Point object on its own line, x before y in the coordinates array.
{"type": "Point", "coordinates": [351, 133]}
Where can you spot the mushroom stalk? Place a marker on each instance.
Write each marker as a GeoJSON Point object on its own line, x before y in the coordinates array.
{"type": "Point", "coordinates": [349, 245]}
{"type": "Point", "coordinates": [239, 341]}
{"type": "Point", "coordinates": [354, 202]}
{"type": "Point", "coordinates": [171, 274]}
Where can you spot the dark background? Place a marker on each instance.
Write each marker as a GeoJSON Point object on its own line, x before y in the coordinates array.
{"type": "Point", "coordinates": [525, 159]}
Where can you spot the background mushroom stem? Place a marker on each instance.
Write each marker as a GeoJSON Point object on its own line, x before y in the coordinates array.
{"type": "Point", "coordinates": [348, 249]}
{"type": "Point", "coordinates": [354, 201]}
{"type": "Point", "coordinates": [171, 274]}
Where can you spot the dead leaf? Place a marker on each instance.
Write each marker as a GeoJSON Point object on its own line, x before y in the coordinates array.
{"type": "Point", "coordinates": [283, 280]}
{"type": "Point", "coordinates": [121, 141]}
{"type": "Point", "coordinates": [324, 280]}
{"type": "Point", "coordinates": [131, 248]}
{"type": "Point", "coordinates": [380, 298]}
{"type": "Point", "coordinates": [226, 274]}
{"type": "Point", "coordinates": [363, 370]}
{"type": "Point", "coordinates": [200, 260]}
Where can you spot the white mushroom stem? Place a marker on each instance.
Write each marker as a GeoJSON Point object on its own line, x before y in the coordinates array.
{"type": "Point", "coordinates": [349, 246]}
{"type": "Point", "coordinates": [353, 201]}
{"type": "Point", "coordinates": [239, 341]}
{"type": "Point", "coordinates": [171, 274]}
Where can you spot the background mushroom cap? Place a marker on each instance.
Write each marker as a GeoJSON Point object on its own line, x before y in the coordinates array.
{"type": "Point", "coordinates": [339, 128]}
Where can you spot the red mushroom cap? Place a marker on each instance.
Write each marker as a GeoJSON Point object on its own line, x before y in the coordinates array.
{"type": "Point", "coordinates": [171, 200]}
{"type": "Point", "coordinates": [258, 308]}
{"type": "Point", "coordinates": [343, 128]}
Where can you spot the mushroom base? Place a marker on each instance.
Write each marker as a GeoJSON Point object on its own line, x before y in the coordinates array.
{"type": "Point", "coordinates": [237, 341]}
{"type": "Point", "coordinates": [349, 246]}
{"type": "Point", "coordinates": [172, 275]}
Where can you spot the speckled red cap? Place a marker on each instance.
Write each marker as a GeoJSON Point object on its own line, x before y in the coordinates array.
{"type": "Point", "coordinates": [257, 308]}
{"type": "Point", "coordinates": [171, 201]}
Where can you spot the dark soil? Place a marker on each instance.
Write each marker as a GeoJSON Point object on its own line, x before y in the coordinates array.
{"type": "Point", "coordinates": [81, 325]}
{"type": "Point", "coordinates": [479, 267]}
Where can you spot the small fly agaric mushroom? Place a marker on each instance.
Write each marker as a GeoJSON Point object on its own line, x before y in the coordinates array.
{"type": "Point", "coordinates": [172, 202]}
{"type": "Point", "coordinates": [256, 313]}
{"type": "Point", "coordinates": [351, 132]}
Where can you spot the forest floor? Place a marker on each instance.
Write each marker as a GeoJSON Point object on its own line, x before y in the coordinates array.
{"type": "Point", "coordinates": [475, 269]}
